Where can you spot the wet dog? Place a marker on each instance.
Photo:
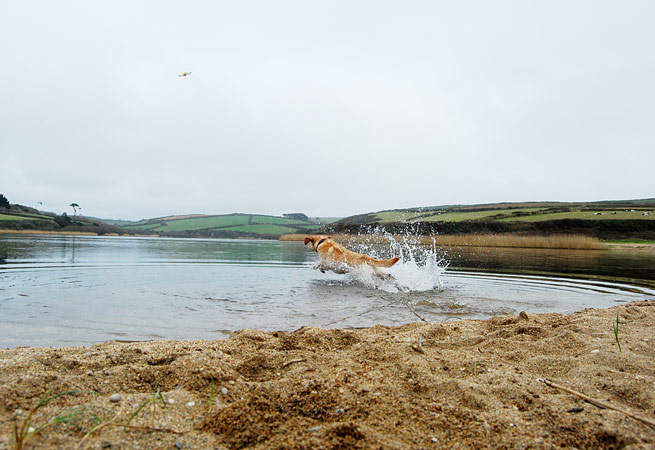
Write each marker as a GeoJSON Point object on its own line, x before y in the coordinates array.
{"type": "Point", "coordinates": [339, 259]}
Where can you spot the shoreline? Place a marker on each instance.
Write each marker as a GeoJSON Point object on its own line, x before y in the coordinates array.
{"type": "Point", "coordinates": [71, 233]}
{"type": "Point", "coordinates": [632, 247]}
{"type": "Point", "coordinates": [605, 246]}
{"type": "Point", "coordinates": [455, 384]}
{"type": "Point", "coordinates": [62, 233]}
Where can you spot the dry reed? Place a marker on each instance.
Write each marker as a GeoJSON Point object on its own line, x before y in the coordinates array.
{"type": "Point", "coordinates": [562, 241]}
{"type": "Point", "coordinates": [568, 242]}
{"type": "Point", "coordinates": [293, 237]}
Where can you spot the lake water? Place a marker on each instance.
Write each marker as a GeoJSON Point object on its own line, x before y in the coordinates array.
{"type": "Point", "coordinates": [73, 290]}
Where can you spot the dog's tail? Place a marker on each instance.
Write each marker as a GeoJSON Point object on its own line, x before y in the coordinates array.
{"type": "Point", "coordinates": [386, 262]}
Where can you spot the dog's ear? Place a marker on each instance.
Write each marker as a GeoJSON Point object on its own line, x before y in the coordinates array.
{"type": "Point", "coordinates": [307, 240]}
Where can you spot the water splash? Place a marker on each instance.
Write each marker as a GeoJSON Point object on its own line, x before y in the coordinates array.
{"type": "Point", "coordinates": [421, 266]}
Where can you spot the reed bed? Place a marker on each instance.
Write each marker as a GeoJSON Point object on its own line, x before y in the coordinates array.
{"type": "Point", "coordinates": [293, 237]}
{"type": "Point", "coordinates": [562, 241]}
{"type": "Point", "coordinates": [567, 242]}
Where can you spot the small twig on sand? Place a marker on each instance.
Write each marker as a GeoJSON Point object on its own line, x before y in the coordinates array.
{"type": "Point", "coordinates": [111, 423]}
{"type": "Point", "coordinates": [597, 403]}
{"type": "Point", "coordinates": [417, 349]}
{"type": "Point", "coordinates": [134, 414]}
{"type": "Point", "coordinates": [211, 394]}
{"type": "Point", "coordinates": [95, 428]}
{"type": "Point", "coordinates": [149, 429]}
{"type": "Point", "coordinates": [616, 331]}
{"type": "Point", "coordinates": [288, 363]}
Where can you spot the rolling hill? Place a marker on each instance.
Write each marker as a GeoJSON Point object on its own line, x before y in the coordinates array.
{"type": "Point", "coordinates": [605, 219]}
{"type": "Point", "coordinates": [623, 219]}
{"type": "Point", "coordinates": [235, 225]}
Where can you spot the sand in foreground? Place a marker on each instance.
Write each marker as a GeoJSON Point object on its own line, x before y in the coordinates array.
{"type": "Point", "coordinates": [458, 384]}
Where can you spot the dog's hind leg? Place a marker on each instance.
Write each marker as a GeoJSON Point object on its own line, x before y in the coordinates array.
{"type": "Point", "coordinates": [382, 275]}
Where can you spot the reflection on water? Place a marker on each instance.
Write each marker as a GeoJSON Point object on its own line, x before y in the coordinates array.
{"type": "Point", "coordinates": [132, 250]}
{"type": "Point", "coordinates": [58, 290]}
{"type": "Point", "coordinates": [638, 267]}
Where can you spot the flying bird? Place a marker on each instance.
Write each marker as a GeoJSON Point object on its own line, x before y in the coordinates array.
{"type": "Point", "coordinates": [184, 74]}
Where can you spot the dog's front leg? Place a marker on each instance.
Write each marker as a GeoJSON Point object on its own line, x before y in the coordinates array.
{"type": "Point", "coordinates": [320, 267]}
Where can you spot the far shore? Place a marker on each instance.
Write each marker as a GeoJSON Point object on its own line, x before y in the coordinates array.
{"type": "Point", "coordinates": [70, 233]}
{"type": "Point", "coordinates": [545, 242]}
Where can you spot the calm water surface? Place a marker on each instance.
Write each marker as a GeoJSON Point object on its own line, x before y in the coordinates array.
{"type": "Point", "coordinates": [63, 290]}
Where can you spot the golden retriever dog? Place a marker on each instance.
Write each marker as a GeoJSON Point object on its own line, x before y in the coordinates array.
{"type": "Point", "coordinates": [339, 259]}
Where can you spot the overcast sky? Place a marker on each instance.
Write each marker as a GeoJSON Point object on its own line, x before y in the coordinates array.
{"type": "Point", "coordinates": [329, 108]}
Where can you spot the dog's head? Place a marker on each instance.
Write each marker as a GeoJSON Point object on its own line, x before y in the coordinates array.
{"type": "Point", "coordinates": [315, 241]}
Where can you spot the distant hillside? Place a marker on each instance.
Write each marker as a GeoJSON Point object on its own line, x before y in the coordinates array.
{"type": "Point", "coordinates": [621, 219]}
{"type": "Point", "coordinates": [23, 218]}
{"type": "Point", "coordinates": [235, 225]}
{"type": "Point", "coordinates": [603, 219]}
{"type": "Point", "coordinates": [20, 218]}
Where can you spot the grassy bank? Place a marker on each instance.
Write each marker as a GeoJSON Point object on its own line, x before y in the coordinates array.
{"type": "Point", "coordinates": [631, 241]}
{"type": "Point", "coordinates": [510, 212]}
{"type": "Point", "coordinates": [606, 220]}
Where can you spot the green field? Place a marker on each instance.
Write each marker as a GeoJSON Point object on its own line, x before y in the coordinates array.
{"type": "Point", "coordinates": [461, 214]}
{"type": "Point", "coordinates": [11, 217]}
{"type": "Point", "coordinates": [264, 229]}
{"type": "Point", "coordinates": [191, 225]}
{"type": "Point", "coordinates": [327, 220]}
{"type": "Point", "coordinates": [476, 215]}
{"type": "Point", "coordinates": [247, 225]}
{"type": "Point", "coordinates": [606, 220]}
{"type": "Point", "coordinates": [227, 225]}
{"type": "Point", "coordinates": [454, 218]}
{"type": "Point", "coordinates": [147, 226]}
{"type": "Point", "coordinates": [277, 220]}
{"type": "Point", "coordinates": [396, 216]}
{"type": "Point", "coordinates": [586, 215]}
{"type": "Point", "coordinates": [201, 223]}
{"type": "Point", "coordinates": [450, 215]}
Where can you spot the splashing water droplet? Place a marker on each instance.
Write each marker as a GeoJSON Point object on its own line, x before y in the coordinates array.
{"type": "Point", "coordinates": [420, 268]}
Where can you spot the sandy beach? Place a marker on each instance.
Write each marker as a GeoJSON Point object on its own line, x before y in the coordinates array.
{"type": "Point", "coordinates": [538, 381]}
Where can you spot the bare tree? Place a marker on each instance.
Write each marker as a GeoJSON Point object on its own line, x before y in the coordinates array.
{"type": "Point", "coordinates": [75, 207]}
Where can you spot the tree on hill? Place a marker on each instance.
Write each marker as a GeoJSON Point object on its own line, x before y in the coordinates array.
{"type": "Point", "coordinates": [75, 207]}
{"type": "Point", "coordinates": [296, 216]}
{"type": "Point", "coordinates": [4, 203]}
{"type": "Point", "coordinates": [63, 220]}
